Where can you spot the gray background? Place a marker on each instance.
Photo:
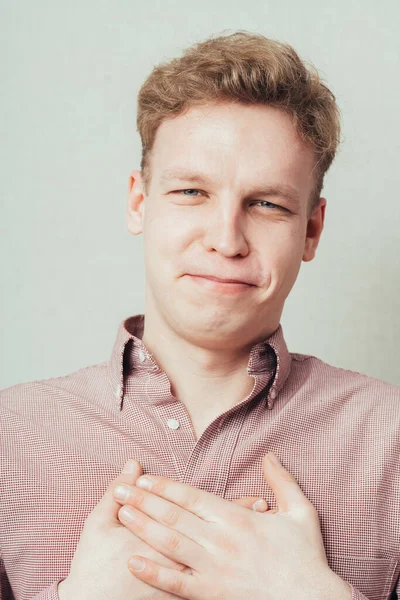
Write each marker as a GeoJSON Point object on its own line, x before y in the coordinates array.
{"type": "Point", "coordinates": [70, 271]}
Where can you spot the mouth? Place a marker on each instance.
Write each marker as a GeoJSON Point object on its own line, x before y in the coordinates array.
{"type": "Point", "coordinates": [215, 284]}
{"type": "Point", "coordinates": [222, 280]}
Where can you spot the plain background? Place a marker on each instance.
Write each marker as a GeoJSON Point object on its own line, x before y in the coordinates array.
{"type": "Point", "coordinates": [70, 271]}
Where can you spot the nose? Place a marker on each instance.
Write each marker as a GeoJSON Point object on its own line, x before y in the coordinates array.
{"type": "Point", "coordinates": [224, 232]}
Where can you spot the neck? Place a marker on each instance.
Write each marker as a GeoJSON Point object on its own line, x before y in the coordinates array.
{"type": "Point", "coordinates": [208, 381]}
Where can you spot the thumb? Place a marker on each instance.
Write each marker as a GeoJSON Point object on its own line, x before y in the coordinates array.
{"type": "Point", "coordinates": [108, 505]}
{"type": "Point", "coordinates": [253, 502]}
{"type": "Point", "coordinates": [289, 495]}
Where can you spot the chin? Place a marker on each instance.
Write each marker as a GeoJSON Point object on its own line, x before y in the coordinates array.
{"type": "Point", "coordinates": [209, 321]}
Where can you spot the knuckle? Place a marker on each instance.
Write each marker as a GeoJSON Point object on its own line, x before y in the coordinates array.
{"type": "Point", "coordinates": [170, 517]}
{"type": "Point", "coordinates": [308, 511]}
{"type": "Point", "coordinates": [172, 542]}
{"type": "Point", "coordinates": [192, 501]}
{"type": "Point", "coordinates": [288, 476]}
{"type": "Point", "coordinates": [176, 584]}
{"type": "Point", "coordinates": [158, 488]}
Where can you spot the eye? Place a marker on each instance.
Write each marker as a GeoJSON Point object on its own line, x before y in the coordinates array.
{"type": "Point", "coordinates": [270, 204]}
{"type": "Point", "coordinates": [187, 190]}
{"type": "Point", "coordinates": [265, 202]}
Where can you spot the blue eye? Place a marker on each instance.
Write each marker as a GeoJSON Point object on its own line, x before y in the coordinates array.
{"type": "Point", "coordinates": [265, 202]}
{"type": "Point", "coordinates": [188, 190]}
{"type": "Point", "coordinates": [269, 203]}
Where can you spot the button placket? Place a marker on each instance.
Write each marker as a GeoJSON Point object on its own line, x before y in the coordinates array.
{"type": "Point", "coordinates": [218, 452]}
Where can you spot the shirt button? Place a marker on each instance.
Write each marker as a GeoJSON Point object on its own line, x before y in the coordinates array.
{"type": "Point", "coordinates": [118, 392]}
{"type": "Point", "coordinates": [272, 394]}
{"type": "Point", "coordinates": [142, 356]}
{"type": "Point", "coordinates": [173, 423]}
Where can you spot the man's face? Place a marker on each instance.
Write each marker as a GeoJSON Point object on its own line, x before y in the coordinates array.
{"type": "Point", "coordinates": [228, 226]}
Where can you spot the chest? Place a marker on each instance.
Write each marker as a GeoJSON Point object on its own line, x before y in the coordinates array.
{"type": "Point", "coordinates": [50, 487]}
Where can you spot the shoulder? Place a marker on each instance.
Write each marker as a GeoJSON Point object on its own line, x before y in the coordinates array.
{"type": "Point", "coordinates": [30, 394]}
{"type": "Point", "coordinates": [348, 384]}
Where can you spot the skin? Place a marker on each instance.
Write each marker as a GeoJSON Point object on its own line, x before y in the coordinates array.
{"type": "Point", "coordinates": [98, 569]}
{"type": "Point", "coordinates": [230, 552]}
{"type": "Point", "coordinates": [202, 337]}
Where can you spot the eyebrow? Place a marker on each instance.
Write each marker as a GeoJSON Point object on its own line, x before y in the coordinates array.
{"type": "Point", "coordinates": [279, 189]}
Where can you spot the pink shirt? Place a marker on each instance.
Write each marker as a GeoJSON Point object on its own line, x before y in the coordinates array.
{"type": "Point", "coordinates": [63, 439]}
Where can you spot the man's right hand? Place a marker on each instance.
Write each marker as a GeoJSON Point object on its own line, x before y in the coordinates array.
{"type": "Point", "coordinates": [99, 569]}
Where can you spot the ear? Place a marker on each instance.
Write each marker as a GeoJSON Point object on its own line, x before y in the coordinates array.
{"type": "Point", "coordinates": [135, 207]}
{"type": "Point", "coordinates": [315, 226]}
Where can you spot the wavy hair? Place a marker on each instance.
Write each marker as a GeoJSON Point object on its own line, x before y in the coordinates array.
{"type": "Point", "coordinates": [246, 68]}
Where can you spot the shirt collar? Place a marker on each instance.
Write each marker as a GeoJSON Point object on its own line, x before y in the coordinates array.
{"type": "Point", "coordinates": [129, 349]}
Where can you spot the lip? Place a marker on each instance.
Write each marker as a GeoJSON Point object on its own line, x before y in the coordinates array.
{"type": "Point", "coordinates": [212, 278]}
{"type": "Point", "coordinates": [226, 286]}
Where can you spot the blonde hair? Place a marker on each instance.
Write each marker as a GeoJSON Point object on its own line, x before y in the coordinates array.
{"type": "Point", "coordinates": [243, 68]}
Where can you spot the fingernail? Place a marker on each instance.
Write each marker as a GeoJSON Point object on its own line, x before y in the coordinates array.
{"type": "Point", "coordinates": [127, 513]}
{"type": "Point", "coordinates": [145, 483]}
{"type": "Point", "coordinates": [273, 458]}
{"type": "Point", "coordinates": [136, 564]}
{"type": "Point", "coordinates": [122, 492]}
{"type": "Point", "coordinates": [260, 505]}
{"type": "Point", "coordinates": [129, 468]}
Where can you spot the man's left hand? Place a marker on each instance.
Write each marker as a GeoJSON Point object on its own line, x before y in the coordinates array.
{"type": "Point", "coordinates": [232, 552]}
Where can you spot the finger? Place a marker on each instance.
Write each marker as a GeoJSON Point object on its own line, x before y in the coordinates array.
{"type": "Point", "coordinates": [205, 505]}
{"type": "Point", "coordinates": [168, 542]}
{"type": "Point", "coordinates": [107, 508]}
{"type": "Point", "coordinates": [253, 502]}
{"type": "Point", "coordinates": [181, 584]}
{"type": "Point", "coordinates": [108, 505]}
{"type": "Point", "coordinates": [289, 495]}
{"type": "Point", "coordinates": [165, 512]}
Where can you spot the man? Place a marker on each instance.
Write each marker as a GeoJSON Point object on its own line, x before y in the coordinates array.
{"type": "Point", "coordinates": [200, 391]}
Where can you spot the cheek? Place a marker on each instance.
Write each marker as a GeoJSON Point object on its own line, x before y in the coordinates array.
{"type": "Point", "coordinates": [165, 240]}
{"type": "Point", "coordinates": [283, 255]}
{"type": "Point", "coordinates": [167, 231]}
{"type": "Point", "coordinates": [283, 244]}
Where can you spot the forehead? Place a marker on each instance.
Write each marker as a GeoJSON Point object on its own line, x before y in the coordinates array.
{"type": "Point", "coordinates": [235, 143]}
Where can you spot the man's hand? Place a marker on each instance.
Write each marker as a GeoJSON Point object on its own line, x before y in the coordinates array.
{"type": "Point", "coordinates": [99, 567]}
{"type": "Point", "coordinates": [232, 552]}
